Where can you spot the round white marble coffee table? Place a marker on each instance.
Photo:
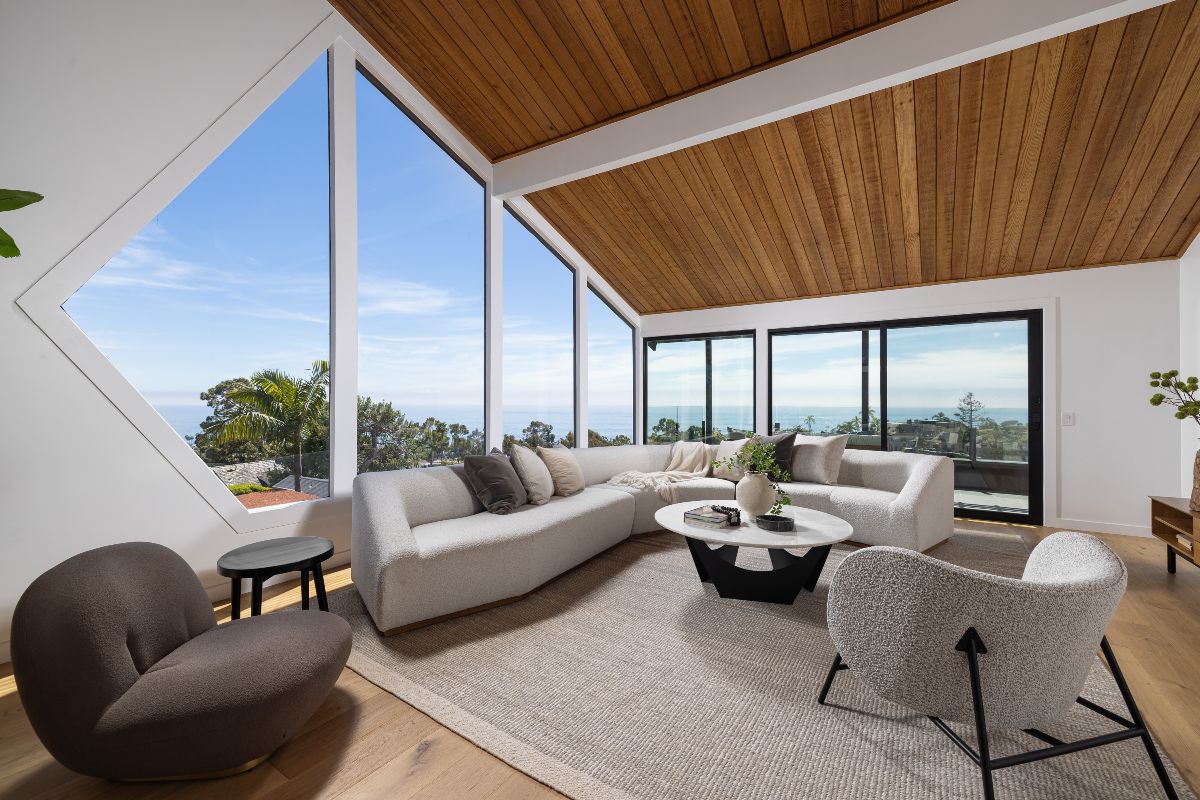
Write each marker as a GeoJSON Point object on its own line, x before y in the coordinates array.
{"type": "Point", "coordinates": [815, 530]}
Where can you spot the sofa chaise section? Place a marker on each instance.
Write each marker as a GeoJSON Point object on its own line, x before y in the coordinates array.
{"type": "Point", "coordinates": [422, 548]}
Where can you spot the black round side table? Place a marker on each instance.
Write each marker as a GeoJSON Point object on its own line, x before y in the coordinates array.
{"type": "Point", "coordinates": [261, 560]}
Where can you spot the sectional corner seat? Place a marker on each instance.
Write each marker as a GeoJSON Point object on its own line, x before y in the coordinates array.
{"type": "Point", "coordinates": [423, 548]}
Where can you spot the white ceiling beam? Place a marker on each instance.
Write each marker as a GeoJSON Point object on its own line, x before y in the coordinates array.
{"type": "Point", "coordinates": [950, 36]}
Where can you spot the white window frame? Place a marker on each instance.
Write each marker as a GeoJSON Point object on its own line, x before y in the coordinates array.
{"type": "Point", "coordinates": [347, 49]}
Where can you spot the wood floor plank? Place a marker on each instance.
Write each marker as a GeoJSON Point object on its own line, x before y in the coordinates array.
{"type": "Point", "coordinates": [364, 742]}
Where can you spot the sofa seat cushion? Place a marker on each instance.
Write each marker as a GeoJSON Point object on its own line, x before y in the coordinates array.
{"type": "Point", "coordinates": [867, 510]}
{"type": "Point", "coordinates": [473, 560]}
{"type": "Point", "coordinates": [222, 698]}
{"type": "Point", "coordinates": [685, 491]}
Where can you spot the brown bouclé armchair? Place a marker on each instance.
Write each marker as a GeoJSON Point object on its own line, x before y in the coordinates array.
{"type": "Point", "coordinates": [124, 673]}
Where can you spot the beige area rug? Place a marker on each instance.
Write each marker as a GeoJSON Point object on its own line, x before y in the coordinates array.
{"type": "Point", "coordinates": [628, 678]}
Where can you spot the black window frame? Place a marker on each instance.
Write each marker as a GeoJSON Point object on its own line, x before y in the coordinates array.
{"type": "Point", "coordinates": [708, 339]}
{"type": "Point", "coordinates": [1034, 331]}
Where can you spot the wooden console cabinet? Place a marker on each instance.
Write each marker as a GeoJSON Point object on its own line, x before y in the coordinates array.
{"type": "Point", "coordinates": [1177, 526]}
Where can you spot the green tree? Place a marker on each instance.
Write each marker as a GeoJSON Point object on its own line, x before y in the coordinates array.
{"type": "Point", "coordinates": [275, 407]}
{"type": "Point", "coordinates": [386, 438]}
{"type": "Point", "coordinates": [434, 438]}
{"type": "Point", "coordinates": [810, 422]}
{"type": "Point", "coordinates": [538, 434]}
{"type": "Point", "coordinates": [222, 408]}
{"type": "Point", "coordinates": [664, 431]}
{"type": "Point", "coordinates": [970, 410]}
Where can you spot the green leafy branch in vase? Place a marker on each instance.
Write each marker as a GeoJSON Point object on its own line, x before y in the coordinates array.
{"type": "Point", "coordinates": [1181, 393]}
{"type": "Point", "coordinates": [759, 456]}
{"type": "Point", "coordinates": [11, 200]}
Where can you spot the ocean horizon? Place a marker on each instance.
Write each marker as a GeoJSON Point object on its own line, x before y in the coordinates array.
{"type": "Point", "coordinates": [610, 421]}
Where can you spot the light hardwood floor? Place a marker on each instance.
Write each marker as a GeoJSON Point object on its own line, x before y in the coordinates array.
{"type": "Point", "coordinates": [364, 742]}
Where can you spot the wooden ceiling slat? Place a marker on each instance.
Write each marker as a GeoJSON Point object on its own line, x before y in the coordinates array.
{"type": "Point", "coordinates": [790, 160]}
{"type": "Point", "coordinates": [1177, 100]}
{"type": "Point", "coordinates": [696, 267]}
{"type": "Point", "coordinates": [1179, 142]}
{"type": "Point", "coordinates": [1039, 102]}
{"type": "Point", "coordinates": [678, 179]}
{"type": "Point", "coordinates": [1129, 64]}
{"type": "Point", "coordinates": [868, 190]}
{"type": "Point", "coordinates": [439, 28]}
{"type": "Point", "coordinates": [1091, 95]}
{"type": "Point", "coordinates": [1078, 151]}
{"type": "Point", "coordinates": [513, 75]}
{"type": "Point", "coordinates": [1018, 94]}
{"type": "Point", "coordinates": [883, 145]}
{"type": "Point", "coordinates": [752, 159]}
{"type": "Point", "coordinates": [947, 162]}
{"type": "Point", "coordinates": [1067, 94]}
{"type": "Point", "coordinates": [926, 112]}
{"type": "Point", "coordinates": [1142, 113]}
{"type": "Point", "coordinates": [993, 105]}
{"type": "Point", "coordinates": [771, 157]}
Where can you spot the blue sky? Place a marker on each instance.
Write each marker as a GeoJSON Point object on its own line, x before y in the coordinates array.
{"type": "Point", "coordinates": [233, 275]}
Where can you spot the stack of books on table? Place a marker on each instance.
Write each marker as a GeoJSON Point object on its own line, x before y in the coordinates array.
{"type": "Point", "coordinates": [706, 517]}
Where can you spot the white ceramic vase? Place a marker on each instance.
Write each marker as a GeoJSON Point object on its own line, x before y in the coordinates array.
{"type": "Point", "coordinates": [755, 493]}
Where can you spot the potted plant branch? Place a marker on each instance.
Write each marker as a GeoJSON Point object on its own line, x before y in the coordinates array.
{"type": "Point", "coordinates": [758, 491]}
{"type": "Point", "coordinates": [11, 200]}
{"type": "Point", "coordinates": [1181, 394]}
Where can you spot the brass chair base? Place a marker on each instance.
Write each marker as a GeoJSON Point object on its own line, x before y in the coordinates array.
{"type": "Point", "coordinates": [202, 776]}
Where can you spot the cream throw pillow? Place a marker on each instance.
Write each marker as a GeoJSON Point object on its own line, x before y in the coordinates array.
{"type": "Point", "coordinates": [818, 459]}
{"type": "Point", "coordinates": [564, 470]}
{"type": "Point", "coordinates": [725, 450]}
{"type": "Point", "coordinates": [534, 475]}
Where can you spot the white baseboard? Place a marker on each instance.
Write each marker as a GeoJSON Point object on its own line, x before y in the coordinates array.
{"type": "Point", "coordinates": [1095, 526]}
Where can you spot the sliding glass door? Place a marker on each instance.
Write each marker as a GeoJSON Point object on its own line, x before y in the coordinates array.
{"type": "Point", "coordinates": [968, 388]}
{"type": "Point", "coordinates": [699, 388]}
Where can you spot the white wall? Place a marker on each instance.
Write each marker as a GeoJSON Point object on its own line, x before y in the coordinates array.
{"type": "Point", "coordinates": [96, 103]}
{"type": "Point", "coordinates": [1105, 329]}
{"type": "Point", "coordinates": [1189, 356]}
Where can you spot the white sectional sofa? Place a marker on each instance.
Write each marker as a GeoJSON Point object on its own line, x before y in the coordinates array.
{"type": "Point", "coordinates": [423, 548]}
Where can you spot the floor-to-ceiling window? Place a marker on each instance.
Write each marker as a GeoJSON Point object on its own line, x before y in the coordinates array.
{"type": "Point", "coordinates": [218, 310]}
{"type": "Point", "coordinates": [968, 388]}
{"type": "Point", "coordinates": [699, 388]}
{"type": "Point", "coordinates": [539, 340]}
{"type": "Point", "coordinates": [610, 374]}
{"type": "Point", "coordinates": [420, 293]}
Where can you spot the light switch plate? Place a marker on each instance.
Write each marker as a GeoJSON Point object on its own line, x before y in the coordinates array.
{"type": "Point", "coordinates": [1068, 419]}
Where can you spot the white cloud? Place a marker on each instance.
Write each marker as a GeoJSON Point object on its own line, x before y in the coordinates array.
{"type": "Point", "coordinates": [406, 298]}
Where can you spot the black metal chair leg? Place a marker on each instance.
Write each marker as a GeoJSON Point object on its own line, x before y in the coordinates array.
{"type": "Point", "coordinates": [235, 598]}
{"type": "Point", "coordinates": [319, 580]}
{"type": "Point", "coordinates": [304, 589]}
{"type": "Point", "coordinates": [1136, 716]}
{"type": "Point", "coordinates": [972, 645]}
{"type": "Point", "coordinates": [833, 671]}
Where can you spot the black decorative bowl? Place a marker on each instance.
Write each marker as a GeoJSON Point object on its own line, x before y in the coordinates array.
{"type": "Point", "coordinates": [777, 523]}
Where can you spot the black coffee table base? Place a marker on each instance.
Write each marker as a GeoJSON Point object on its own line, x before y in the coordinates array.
{"type": "Point", "coordinates": [779, 585]}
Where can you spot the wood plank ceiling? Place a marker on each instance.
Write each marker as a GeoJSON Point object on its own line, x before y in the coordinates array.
{"type": "Point", "coordinates": [1079, 151]}
{"type": "Point", "coordinates": [517, 74]}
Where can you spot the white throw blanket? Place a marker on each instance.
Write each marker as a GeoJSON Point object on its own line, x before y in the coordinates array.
{"type": "Point", "coordinates": [688, 460]}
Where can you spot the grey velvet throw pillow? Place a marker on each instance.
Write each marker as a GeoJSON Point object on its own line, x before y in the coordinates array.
{"type": "Point", "coordinates": [495, 482]}
{"type": "Point", "coordinates": [783, 449]}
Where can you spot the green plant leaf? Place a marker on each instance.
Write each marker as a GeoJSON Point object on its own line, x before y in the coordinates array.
{"type": "Point", "coordinates": [12, 199]}
{"type": "Point", "coordinates": [8, 248]}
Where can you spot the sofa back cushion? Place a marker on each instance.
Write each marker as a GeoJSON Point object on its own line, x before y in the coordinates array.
{"type": "Point", "coordinates": [817, 459]}
{"type": "Point", "coordinates": [601, 463]}
{"type": "Point", "coordinates": [432, 494]}
{"type": "Point", "coordinates": [495, 482]}
{"type": "Point", "coordinates": [876, 470]}
{"type": "Point", "coordinates": [564, 469]}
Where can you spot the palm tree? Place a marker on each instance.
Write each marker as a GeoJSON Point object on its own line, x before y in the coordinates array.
{"type": "Point", "coordinates": [275, 407]}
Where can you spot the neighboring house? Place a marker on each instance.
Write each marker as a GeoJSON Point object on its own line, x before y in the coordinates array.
{"type": "Point", "coordinates": [261, 473]}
